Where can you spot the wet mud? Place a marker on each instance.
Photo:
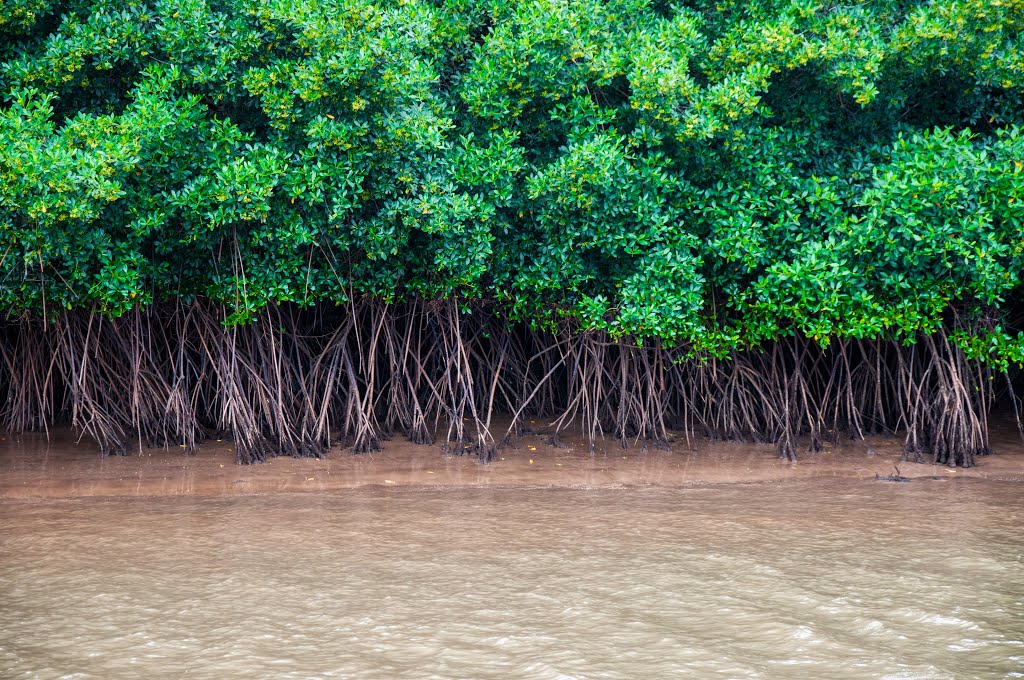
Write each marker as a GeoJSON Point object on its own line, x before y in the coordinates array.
{"type": "Point", "coordinates": [60, 466]}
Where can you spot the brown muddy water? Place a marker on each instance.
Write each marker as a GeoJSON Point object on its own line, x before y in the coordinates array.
{"type": "Point", "coordinates": [805, 579]}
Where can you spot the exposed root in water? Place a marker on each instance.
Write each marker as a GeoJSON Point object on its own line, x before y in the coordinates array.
{"type": "Point", "coordinates": [892, 478]}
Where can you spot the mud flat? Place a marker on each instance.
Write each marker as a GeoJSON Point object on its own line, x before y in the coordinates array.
{"type": "Point", "coordinates": [33, 467]}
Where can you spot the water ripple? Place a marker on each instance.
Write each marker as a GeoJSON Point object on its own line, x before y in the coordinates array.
{"type": "Point", "coordinates": [775, 581]}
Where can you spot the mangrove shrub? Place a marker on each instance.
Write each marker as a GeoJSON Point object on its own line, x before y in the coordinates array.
{"type": "Point", "coordinates": [294, 222]}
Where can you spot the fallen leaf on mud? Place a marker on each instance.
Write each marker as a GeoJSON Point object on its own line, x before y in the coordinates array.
{"type": "Point", "coordinates": [310, 479]}
{"type": "Point", "coordinates": [222, 466]}
{"type": "Point", "coordinates": [948, 470]}
{"type": "Point", "coordinates": [388, 481]}
{"type": "Point", "coordinates": [531, 461]}
{"type": "Point", "coordinates": [532, 448]}
{"type": "Point", "coordinates": [430, 472]}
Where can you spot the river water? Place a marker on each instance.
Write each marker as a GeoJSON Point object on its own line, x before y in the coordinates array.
{"type": "Point", "coordinates": [815, 579]}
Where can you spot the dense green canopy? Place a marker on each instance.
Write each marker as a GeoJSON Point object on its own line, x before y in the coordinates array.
{"type": "Point", "coordinates": [709, 173]}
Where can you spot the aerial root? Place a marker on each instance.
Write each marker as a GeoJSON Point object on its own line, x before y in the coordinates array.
{"type": "Point", "coordinates": [297, 382]}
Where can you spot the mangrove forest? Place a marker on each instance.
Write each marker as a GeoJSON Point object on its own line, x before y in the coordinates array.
{"type": "Point", "coordinates": [309, 223]}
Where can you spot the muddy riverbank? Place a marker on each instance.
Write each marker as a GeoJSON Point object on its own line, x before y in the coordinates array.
{"type": "Point", "coordinates": [33, 467]}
